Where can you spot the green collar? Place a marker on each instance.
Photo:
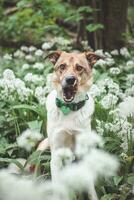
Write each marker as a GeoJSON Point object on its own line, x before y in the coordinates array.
{"type": "Point", "coordinates": [66, 108]}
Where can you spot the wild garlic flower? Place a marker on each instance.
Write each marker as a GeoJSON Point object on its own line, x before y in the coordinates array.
{"type": "Point", "coordinates": [100, 52]}
{"type": "Point", "coordinates": [30, 58]}
{"type": "Point", "coordinates": [126, 108]}
{"type": "Point", "coordinates": [25, 66]}
{"type": "Point", "coordinates": [130, 80]}
{"type": "Point", "coordinates": [86, 141]}
{"type": "Point", "coordinates": [28, 139]}
{"type": "Point", "coordinates": [24, 48]}
{"type": "Point", "coordinates": [38, 66]}
{"type": "Point", "coordinates": [47, 45]}
{"type": "Point", "coordinates": [7, 56]}
{"type": "Point", "coordinates": [39, 53]}
{"type": "Point", "coordinates": [19, 54]}
{"type": "Point", "coordinates": [115, 52]}
{"type": "Point", "coordinates": [33, 78]}
{"type": "Point", "coordinates": [124, 52]}
{"type": "Point", "coordinates": [114, 71]}
{"type": "Point", "coordinates": [130, 64]}
{"type": "Point", "coordinates": [109, 101]}
{"type": "Point", "coordinates": [40, 94]}
{"type": "Point", "coordinates": [8, 74]}
{"type": "Point", "coordinates": [32, 48]}
{"type": "Point", "coordinates": [63, 157]}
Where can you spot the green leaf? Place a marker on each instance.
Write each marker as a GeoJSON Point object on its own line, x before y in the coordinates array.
{"type": "Point", "coordinates": [94, 27]}
{"type": "Point", "coordinates": [40, 110]}
{"type": "Point", "coordinates": [107, 197]}
{"type": "Point", "coordinates": [117, 180]}
{"type": "Point", "coordinates": [130, 180]}
{"type": "Point", "coordinates": [8, 160]}
{"type": "Point", "coordinates": [36, 125]}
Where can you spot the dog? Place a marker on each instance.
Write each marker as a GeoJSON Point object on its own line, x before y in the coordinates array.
{"type": "Point", "coordinates": [69, 105]}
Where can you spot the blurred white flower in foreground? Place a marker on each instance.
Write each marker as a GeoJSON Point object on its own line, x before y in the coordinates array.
{"type": "Point", "coordinates": [86, 141]}
{"type": "Point", "coordinates": [29, 139]}
{"type": "Point", "coordinates": [126, 108]}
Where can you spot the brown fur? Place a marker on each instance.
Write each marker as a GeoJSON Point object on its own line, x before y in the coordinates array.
{"type": "Point", "coordinates": [70, 61]}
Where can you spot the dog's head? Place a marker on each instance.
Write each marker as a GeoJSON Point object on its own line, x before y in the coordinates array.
{"type": "Point", "coordinates": [72, 72]}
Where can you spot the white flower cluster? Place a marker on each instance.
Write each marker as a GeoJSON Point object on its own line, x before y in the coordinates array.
{"type": "Point", "coordinates": [40, 94]}
{"type": "Point", "coordinates": [11, 86]}
{"type": "Point", "coordinates": [126, 108]}
{"type": "Point", "coordinates": [124, 52]}
{"type": "Point", "coordinates": [28, 139]}
{"type": "Point", "coordinates": [33, 78]}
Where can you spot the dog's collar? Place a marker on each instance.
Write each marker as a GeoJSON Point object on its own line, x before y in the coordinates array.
{"type": "Point", "coordinates": [66, 108]}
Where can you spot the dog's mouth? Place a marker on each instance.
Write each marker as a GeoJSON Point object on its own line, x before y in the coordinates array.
{"type": "Point", "coordinates": [69, 93]}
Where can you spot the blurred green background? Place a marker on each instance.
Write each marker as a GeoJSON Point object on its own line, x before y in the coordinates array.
{"type": "Point", "coordinates": [104, 24]}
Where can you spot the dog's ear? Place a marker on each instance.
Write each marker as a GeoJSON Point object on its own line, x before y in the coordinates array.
{"type": "Point", "coordinates": [54, 56]}
{"type": "Point", "coordinates": [92, 57]}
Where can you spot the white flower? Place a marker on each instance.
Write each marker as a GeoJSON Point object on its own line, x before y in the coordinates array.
{"type": "Point", "coordinates": [109, 101]}
{"type": "Point", "coordinates": [38, 66]}
{"type": "Point", "coordinates": [115, 71]}
{"type": "Point", "coordinates": [95, 90]}
{"type": "Point", "coordinates": [124, 52]}
{"type": "Point", "coordinates": [32, 48]}
{"type": "Point", "coordinates": [62, 41]}
{"type": "Point", "coordinates": [28, 139]}
{"type": "Point", "coordinates": [130, 80]}
{"type": "Point", "coordinates": [33, 78]}
{"type": "Point", "coordinates": [101, 163]}
{"type": "Point", "coordinates": [19, 54]}
{"type": "Point", "coordinates": [86, 141]}
{"type": "Point", "coordinates": [30, 58]}
{"type": "Point", "coordinates": [63, 157]}
{"type": "Point", "coordinates": [113, 88]}
{"type": "Point", "coordinates": [47, 45]}
{"type": "Point", "coordinates": [115, 52]}
{"type": "Point", "coordinates": [40, 94]}
{"type": "Point", "coordinates": [99, 52]}
{"type": "Point", "coordinates": [24, 48]}
{"type": "Point", "coordinates": [110, 61]}
{"type": "Point", "coordinates": [39, 52]}
{"type": "Point", "coordinates": [49, 85]}
{"type": "Point", "coordinates": [130, 91]}
{"type": "Point", "coordinates": [25, 66]}
{"type": "Point", "coordinates": [7, 56]}
{"type": "Point", "coordinates": [8, 74]}
{"type": "Point", "coordinates": [130, 64]}
{"type": "Point", "coordinates": [100, 63]}
{"type": "Point", "coordinates": [126, 108]}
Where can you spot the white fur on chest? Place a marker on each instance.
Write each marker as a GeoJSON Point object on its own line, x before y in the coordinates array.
{"type": "Point", "coordinates": [74, 121]}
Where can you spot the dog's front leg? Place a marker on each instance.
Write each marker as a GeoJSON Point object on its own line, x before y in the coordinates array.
{"type": "Point", "coordinates": [62, 147]}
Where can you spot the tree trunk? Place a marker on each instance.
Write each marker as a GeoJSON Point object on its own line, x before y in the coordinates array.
{"type": "Point", "coordinates": [114, 18]}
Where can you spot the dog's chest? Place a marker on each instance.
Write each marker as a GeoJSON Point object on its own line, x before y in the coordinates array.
{"type": "Point", "coordinates": [74, 121]}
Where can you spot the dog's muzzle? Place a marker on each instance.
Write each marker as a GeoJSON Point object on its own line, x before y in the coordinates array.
{"type": "Point", "coordinates": [69, 88]}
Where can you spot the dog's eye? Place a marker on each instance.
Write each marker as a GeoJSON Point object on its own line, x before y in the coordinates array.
{"type": "Point", "coordinates": [79, 68]}
{"type": "Point", "coordinates": [62, 67]}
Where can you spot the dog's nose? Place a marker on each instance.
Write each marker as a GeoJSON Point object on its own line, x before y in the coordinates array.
{"type": "Point", "coordinates": [70, 80]}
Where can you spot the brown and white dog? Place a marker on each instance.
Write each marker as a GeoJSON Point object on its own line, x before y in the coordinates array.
{"type": "Point", "coordinates": [69, 106]}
